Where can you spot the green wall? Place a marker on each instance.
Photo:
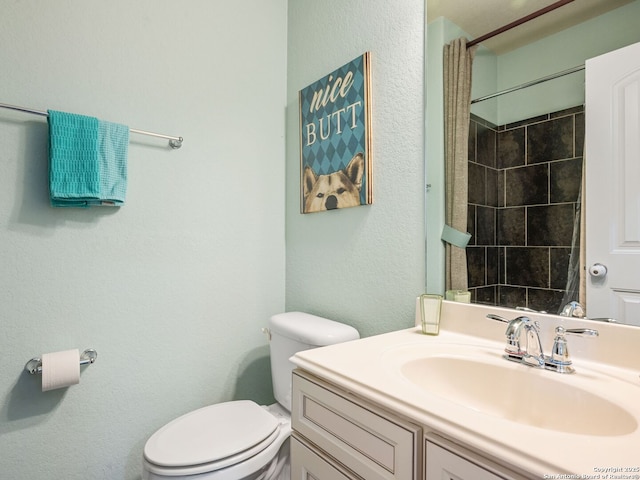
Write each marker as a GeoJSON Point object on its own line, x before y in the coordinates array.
{"type": "Point", "coordinates": [566, 49]}
{"type": "Point", "coordinates": [171, 289]}
{"type": "Point", "coordinates": [363, 265]}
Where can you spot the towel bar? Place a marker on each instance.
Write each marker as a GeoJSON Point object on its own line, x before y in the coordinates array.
{"type": "Point", "coordinates": [87, 357]}
{"type": "Point", "coordinates": [174, 142]}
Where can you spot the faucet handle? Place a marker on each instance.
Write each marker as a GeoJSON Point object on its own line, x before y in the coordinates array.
{"type": "Point", "coordinates": [589, 332]}
{"type": "Point", "coordinates": [531, 310]}
{"type": "Point", "coordinates": [559, 360]}
{"type": "Point", "coordinates": [493, 316]}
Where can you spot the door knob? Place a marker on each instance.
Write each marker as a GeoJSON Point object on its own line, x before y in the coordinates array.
{"type": "Point", "coordinates": [598, 270]}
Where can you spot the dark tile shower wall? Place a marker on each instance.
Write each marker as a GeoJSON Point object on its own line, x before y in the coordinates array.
{"type": "Point", "coordinates": [524, 181]}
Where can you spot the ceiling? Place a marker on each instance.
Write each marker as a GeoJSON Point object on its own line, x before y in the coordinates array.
{"type": "Point", "coordinates": [478, 17]}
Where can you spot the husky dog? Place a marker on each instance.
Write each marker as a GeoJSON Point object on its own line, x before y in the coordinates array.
{"type": "Point", "coordinates": [335, 190]}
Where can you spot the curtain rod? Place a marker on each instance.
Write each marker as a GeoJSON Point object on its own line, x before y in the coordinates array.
{"type": "Point", "coordinates": [174, 142]}
{"type": "Point", "coordinates": [530, 84]}
{"type": "Point", "coordinates": [518, 22]}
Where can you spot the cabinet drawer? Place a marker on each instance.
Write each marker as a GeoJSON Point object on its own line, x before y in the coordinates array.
{"type": "Point", "coordinates": [444, 465]}
{"type": "Point", "coordinates": [306, 464]}
{"type": "Point", "coordinates": [369, 441]}
{"type": "Point", "coordinates": [445, 460]}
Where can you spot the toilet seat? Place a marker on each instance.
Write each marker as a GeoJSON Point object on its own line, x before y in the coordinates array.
{"type": "Point", "coordinates": [211, 438]}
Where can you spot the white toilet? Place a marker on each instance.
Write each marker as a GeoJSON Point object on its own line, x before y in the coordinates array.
{"type": "Point", "coordinates": [240, 440]}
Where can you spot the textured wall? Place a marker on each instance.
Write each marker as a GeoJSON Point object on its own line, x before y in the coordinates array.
{"type": "Point", "coordinates": [173, 288]}
{"type": "Point", "coordinates": [362, 265]}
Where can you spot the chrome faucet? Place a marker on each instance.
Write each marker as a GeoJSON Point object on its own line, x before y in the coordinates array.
{"type": "Point", "coordinates": [573, 309]}
{"type": "Point", "coordinates": [532, 354]}
{"type": "Point", "coordinates": [576, 309]}
{"type": "Point", "coordinates": [513, 350]}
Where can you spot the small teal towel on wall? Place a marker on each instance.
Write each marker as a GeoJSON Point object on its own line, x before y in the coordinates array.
{"type": "Point", "coordinates": [113, 144]}
{"type": "Point", "coordinates": [74, 171]}
{"type": "Point", "coordinates": [87, 161]}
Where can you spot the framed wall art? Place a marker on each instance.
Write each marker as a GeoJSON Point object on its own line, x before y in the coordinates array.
{"type": "Point", "coordinates": [335, 139]}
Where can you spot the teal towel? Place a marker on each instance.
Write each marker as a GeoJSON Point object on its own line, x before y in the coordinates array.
{"type": "Point", "coordinates": [74, 171]}
{"type": "Point", "coordinates": [113, 144]}
{"type": "Point", "coordinates": [87, 161]}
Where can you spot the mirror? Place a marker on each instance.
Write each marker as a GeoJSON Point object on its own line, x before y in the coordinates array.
{"type": "Point", "coordinates": [525, 147]}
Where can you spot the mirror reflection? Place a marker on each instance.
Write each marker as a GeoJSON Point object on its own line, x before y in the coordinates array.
{"type": "Point", "coordinates": [524, 199]}
{"type": "Point", "coordinates": [526, 143]}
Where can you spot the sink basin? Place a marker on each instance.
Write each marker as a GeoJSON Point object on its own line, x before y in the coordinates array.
{"type": "Point", "coordinates": [487, 383]}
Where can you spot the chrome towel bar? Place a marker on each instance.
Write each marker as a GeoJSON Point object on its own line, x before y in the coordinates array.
{"type": "Point", "coordinates": [174, 142]}
{"type": "Point", "coordinates": [87, 357]}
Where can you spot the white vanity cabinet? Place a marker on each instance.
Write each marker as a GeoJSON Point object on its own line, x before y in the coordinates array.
{"type": "Point", "coordinates": [371, 405]}
{"type": "Point", "coordinates": [339, 436]}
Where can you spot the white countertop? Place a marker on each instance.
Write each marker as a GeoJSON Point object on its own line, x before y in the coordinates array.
{"type": "Point", "coordinates": [369, 369]}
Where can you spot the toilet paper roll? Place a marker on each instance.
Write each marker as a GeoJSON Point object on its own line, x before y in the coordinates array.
{"type": "Point", "coordinates": [60, 369]}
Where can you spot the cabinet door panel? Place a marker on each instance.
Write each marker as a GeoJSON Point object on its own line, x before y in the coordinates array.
{"type": "Point", "coordinates": [308, 465]}
{"type": "Point", "coordinates": [371, 442]}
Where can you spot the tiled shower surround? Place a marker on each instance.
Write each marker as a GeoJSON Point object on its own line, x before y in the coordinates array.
{"type": "Point", "coordinates": [524, 181]}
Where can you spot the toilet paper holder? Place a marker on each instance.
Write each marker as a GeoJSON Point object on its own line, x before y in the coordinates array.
{"type": "Point", "coordinates": [87, 357]}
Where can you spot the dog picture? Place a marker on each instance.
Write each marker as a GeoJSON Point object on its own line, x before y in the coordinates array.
{"type": "Point", "coordinates": [335, 139]}
{"type": "Point", "coordinates": [338, 189]}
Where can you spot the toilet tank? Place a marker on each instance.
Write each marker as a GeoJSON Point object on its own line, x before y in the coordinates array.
{"type": "Point", "coordinates": [294, 332]}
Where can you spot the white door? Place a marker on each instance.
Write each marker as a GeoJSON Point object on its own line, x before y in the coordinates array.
{"type": "Point", "coordinates": [613, 185]}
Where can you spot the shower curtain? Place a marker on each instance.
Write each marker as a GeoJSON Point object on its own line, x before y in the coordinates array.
{"type": "Point", "coordinates": [576, 277]}
{"type": "Point", "coordinates": [458, 61]}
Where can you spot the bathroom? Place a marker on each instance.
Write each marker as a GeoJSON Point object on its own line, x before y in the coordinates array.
{"type": "Point", "coordinates": [174, 288]}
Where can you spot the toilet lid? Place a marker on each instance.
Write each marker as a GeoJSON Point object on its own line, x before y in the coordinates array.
{"type": "Point", "coordinates": [210, 434]}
